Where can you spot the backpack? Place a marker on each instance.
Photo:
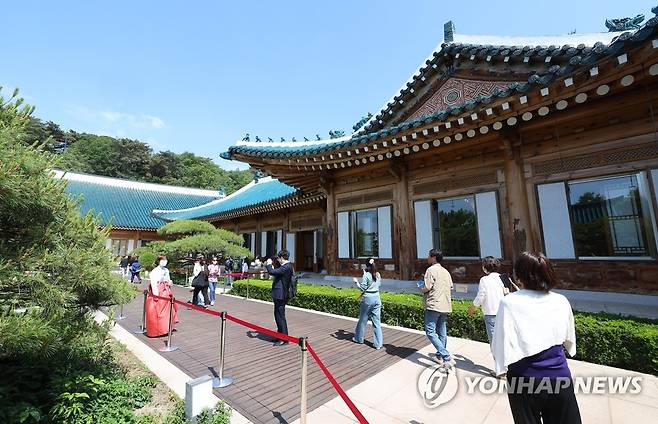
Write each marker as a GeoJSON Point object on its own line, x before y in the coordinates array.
{"type": "Point", "coordinates": [291, 287]}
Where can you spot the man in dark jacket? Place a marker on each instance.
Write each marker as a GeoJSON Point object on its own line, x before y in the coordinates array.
{"type": "Point", "coordinates": [282, 278]}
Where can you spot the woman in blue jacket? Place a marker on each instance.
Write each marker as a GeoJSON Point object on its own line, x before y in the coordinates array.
{"type": "Point", "coordinates": [371, 305]}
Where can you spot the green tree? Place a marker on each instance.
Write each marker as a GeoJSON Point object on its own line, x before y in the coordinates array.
{"type": "Point", "coordinates": [190, 236]}
{"type": "Point", "coordinates": [54, 267]}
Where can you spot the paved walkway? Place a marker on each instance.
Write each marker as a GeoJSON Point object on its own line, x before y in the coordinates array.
{"type": "Point", "coordinates": [267, 378]}
{"type": "Point", "coordinates": [645, 306]}
{"type": "Point", "coordinates": [383, 384]}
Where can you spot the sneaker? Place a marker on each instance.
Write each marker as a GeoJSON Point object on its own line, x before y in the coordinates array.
{"type": "Point", "coordinates": [212, 303]}
{"type": "Point", "coordinates": [439, 360]}
{"type": "Point", "coordinates": [356, 341]}
{"type": "Point", "coordinates": [280, 343]}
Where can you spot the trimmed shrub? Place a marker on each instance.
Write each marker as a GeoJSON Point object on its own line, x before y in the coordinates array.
{"type": "Point", "coordinates": [605, 339]}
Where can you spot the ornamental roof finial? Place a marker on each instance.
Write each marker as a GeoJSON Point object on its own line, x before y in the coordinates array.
{"type": "Point", "coordinates": [624, 24]}
{"type": "Point", "coordinates": [448, 32]}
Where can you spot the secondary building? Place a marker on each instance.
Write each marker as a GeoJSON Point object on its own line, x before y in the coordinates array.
{"type": "Point", "coordinates": [495, 145]}
{"type": "Point", "coordinates": [126, 206]}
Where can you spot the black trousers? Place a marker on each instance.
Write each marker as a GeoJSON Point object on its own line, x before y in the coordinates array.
{"type": "Point", "coordinates": [204, 292]}
{"type": "Point", "coordinates": [280, 315]}
{"type": "Point", "coordinates": [534, 405]}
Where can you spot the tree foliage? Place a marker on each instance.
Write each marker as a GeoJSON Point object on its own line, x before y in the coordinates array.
{"type": "Point", "coordinates": [185, 227]}
{"type": "Point", "coordinates": [190, 236]}
{"type": "Point", "coordinates": [128, 158]}
{"type": "Point", "coordinates": [53, 263]}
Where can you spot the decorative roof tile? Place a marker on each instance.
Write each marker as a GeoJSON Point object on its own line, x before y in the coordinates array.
{"type": "Point", "coordinates": [266, 190]}
{"type": "Point", "coordinates": [576, 50]}
{"type": "Point", "coordinates": [128, 204]}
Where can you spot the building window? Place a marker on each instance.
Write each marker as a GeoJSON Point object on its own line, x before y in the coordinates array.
{"type": "Point", "coordinates": [365, 240]}
{"type": "Point", "coordinates": [119, 247]}
{"type": "Point", "coordinates": [247, 240]}
{"type": "Point", "coordinates": [271, 243]}
{"type": "Point", "coordinates": [609, 217]}
{"type": "Point", "coordinates": [455, 227]}
{"type": "Point", "coordinates": [461, 227]}
{"type": "Point", "coordinates": [364, 233]}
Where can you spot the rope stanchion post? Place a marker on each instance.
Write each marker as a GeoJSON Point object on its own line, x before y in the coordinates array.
{"type": "Point", "coordinates": [221, 380]}
{"type": "Point", "coordinates": [170, 347]}
{"type": "Point", "coordinates": [142, 329]}
{"type": "Point", "coordinates": [121, 315]}
{"type": "Point", "coordinates": [303, 397]}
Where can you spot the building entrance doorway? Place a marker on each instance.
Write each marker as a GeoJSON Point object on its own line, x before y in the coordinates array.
{"type": "Point", "coordinates": [308, 250]}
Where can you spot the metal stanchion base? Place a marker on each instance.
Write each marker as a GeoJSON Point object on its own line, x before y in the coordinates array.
{"type": "Point", "coordinates": [140, 331]}
{"type": "Point", "coordinates": [218, 383]}
{"type": "Point", "coordinates": [168, 348]}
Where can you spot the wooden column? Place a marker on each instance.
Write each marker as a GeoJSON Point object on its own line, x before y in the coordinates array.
{"type": "Point", "coordinates": [404, 240]}
{"type": "Point", "coordinates": [517, 207]}
{"type": "Point", "coordinates": [331, 249]}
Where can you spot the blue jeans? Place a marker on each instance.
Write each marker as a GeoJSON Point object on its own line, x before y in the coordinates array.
{"type": "Point", "coordinates": [212, 285]}
{"type": "Point", "coordinates": [436, 331]}
{"type": "Point", "coordinates": [489, 323]}
{"type": "Point", "coordinates": [371, 308]}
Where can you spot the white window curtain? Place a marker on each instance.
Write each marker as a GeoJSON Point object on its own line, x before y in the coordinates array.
{"type": "Point", "coordinates": [290, 245]}
{"type": "Point", "coordinates": [423, 218]}
{"type": "Point", "coordinates": [279, 240]}
{"type": "Point", "coordinates": [252, 244]}
{"type": "Point", "coordinates": [384, 232]}
{"type": "Point", "coordinates": [263, 243]}
{"type": "Point", "coordinates": [556, 225]}
{"type": "Point", "coordinates": [488, 224]}
{"type": "Point", "coordinates": [343, 224]}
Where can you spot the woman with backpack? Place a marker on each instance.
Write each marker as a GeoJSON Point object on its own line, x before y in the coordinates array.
{"type": "Point", "coordinates": [371, 305]}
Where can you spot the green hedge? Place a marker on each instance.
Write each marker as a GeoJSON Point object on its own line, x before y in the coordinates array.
{"type": "Point", "coordinates": [605, 339]}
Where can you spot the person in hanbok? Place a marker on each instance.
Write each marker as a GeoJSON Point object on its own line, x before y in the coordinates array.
{"type": "Point", "coordinates": [157, 309]}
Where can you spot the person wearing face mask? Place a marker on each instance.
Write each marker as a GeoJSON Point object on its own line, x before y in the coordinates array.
{"type": "Point", "coordinates": [157, 310]}
{"type": "Point", "coordinates": [200, 281]}
{"type": "Point", "coordinates": [213, 274]}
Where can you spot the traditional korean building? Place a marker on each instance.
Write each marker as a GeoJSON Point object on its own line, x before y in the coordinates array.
{"type": "Point", "coordinates": [126, 206]}
{"type": "Point", "coordinates": [494, 146]}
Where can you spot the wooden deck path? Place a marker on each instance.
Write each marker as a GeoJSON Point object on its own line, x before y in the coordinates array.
{"type": "Point", "coordinates": [267, 378]}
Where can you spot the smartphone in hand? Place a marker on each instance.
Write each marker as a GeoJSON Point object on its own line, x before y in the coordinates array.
{"type": "Point", "coordinates": [355, 280]}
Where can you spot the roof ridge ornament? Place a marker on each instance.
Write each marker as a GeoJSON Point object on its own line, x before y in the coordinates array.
{"type": "Point", "coordinates": [362, 122]}
{"type": "Point", "coordinates": [448, 32]}
{"type": "Point", "coordinates": [624, 24]}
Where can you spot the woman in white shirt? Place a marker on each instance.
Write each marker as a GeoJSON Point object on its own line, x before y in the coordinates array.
{"type": "Point", "coordinates": [490, 292]}
{"type": "Point", "coordinates": [157, 309]}
{"type": "Point", "coordinates": [534, 327]}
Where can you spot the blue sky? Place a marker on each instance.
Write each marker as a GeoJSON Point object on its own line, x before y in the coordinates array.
{"type": "Point", "coordinates": [197, 75]}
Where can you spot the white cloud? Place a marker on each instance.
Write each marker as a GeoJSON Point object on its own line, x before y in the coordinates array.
{"type": "Point", "coordinates": [113, 122]}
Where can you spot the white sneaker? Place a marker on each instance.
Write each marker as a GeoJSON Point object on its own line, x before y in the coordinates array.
{"type": "Point", "coordinates": [212, 303]}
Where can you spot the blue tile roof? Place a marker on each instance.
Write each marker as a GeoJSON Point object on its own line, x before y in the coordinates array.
{"type": "Point", "coordinates": [253, 194]}
{"type": "Point", "coordinates": [129, 208]}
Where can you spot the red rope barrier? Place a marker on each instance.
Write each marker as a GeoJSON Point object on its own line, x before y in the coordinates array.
{"type": "Point", "coordinates": [263, 330]}
{"type": "Point", "coordinates": [197, 308]}
{"type": "Point", "coordinates": [288, 338]}
{"type": "Point", "coordinates": [332, 380]}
